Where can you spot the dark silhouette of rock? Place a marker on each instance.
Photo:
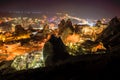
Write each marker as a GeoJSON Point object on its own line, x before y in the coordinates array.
{"type": "Point", "coordinates": [93, 67]}
{"type": "Point", "coordinates": [6, 26]}
{"type": "Point", "coordinates": [61, 26]}
{"type": "Point", "coordinates": [98, 24]}
{"type": "Point", "coordinates": [19, 30]}
{"type": "Point", "coordinates": [67, 29]}
{"type": "Point", "coordinates": [68, 24]}
{"type": "Point", "coordinates": [114, 21]}
{"type": "Point", "coordinates": [54, 51]}
{"type": "Point", "coordinates": [5, 67]}
{"type": "Point", "coordinates": [111, 35]}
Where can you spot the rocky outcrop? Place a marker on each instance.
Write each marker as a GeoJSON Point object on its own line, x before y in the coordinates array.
{"type": "Point", "coordinates": [110, 37]}
{"type": "Point", "coordinates": [54, 51]}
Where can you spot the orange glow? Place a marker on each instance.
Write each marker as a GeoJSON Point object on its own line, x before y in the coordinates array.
{"type": "Point", "coordinates": [9, 52]}
{"type": "Point", "coordinates": [98, 47]}
{"type": "Point", "coordinates": [72, 38]}
{"type": "Point", "coordinates": [14, 50]}
{"type": "Point", "coordinates": [9, 37]}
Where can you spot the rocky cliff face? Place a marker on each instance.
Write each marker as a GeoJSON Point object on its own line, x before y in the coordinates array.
{"type": "Point", "coordinates": [54, 51]}
{"type": "Point", "coordinates": [110, 37]}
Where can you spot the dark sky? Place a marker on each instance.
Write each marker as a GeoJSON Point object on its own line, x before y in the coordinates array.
{"type": "Point", "coordinates": [81, 8]}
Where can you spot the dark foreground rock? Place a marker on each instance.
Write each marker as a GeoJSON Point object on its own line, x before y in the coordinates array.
{"type": "Point", "coordinates": [110, 37]}
{"type": "Point", "coordinates": [54, 51]}
{"type": "Point", "coordinates": [95, 67]}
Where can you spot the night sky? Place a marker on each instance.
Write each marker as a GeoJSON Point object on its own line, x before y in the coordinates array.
{"type": "Point", "coordinates": [94, 9]}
